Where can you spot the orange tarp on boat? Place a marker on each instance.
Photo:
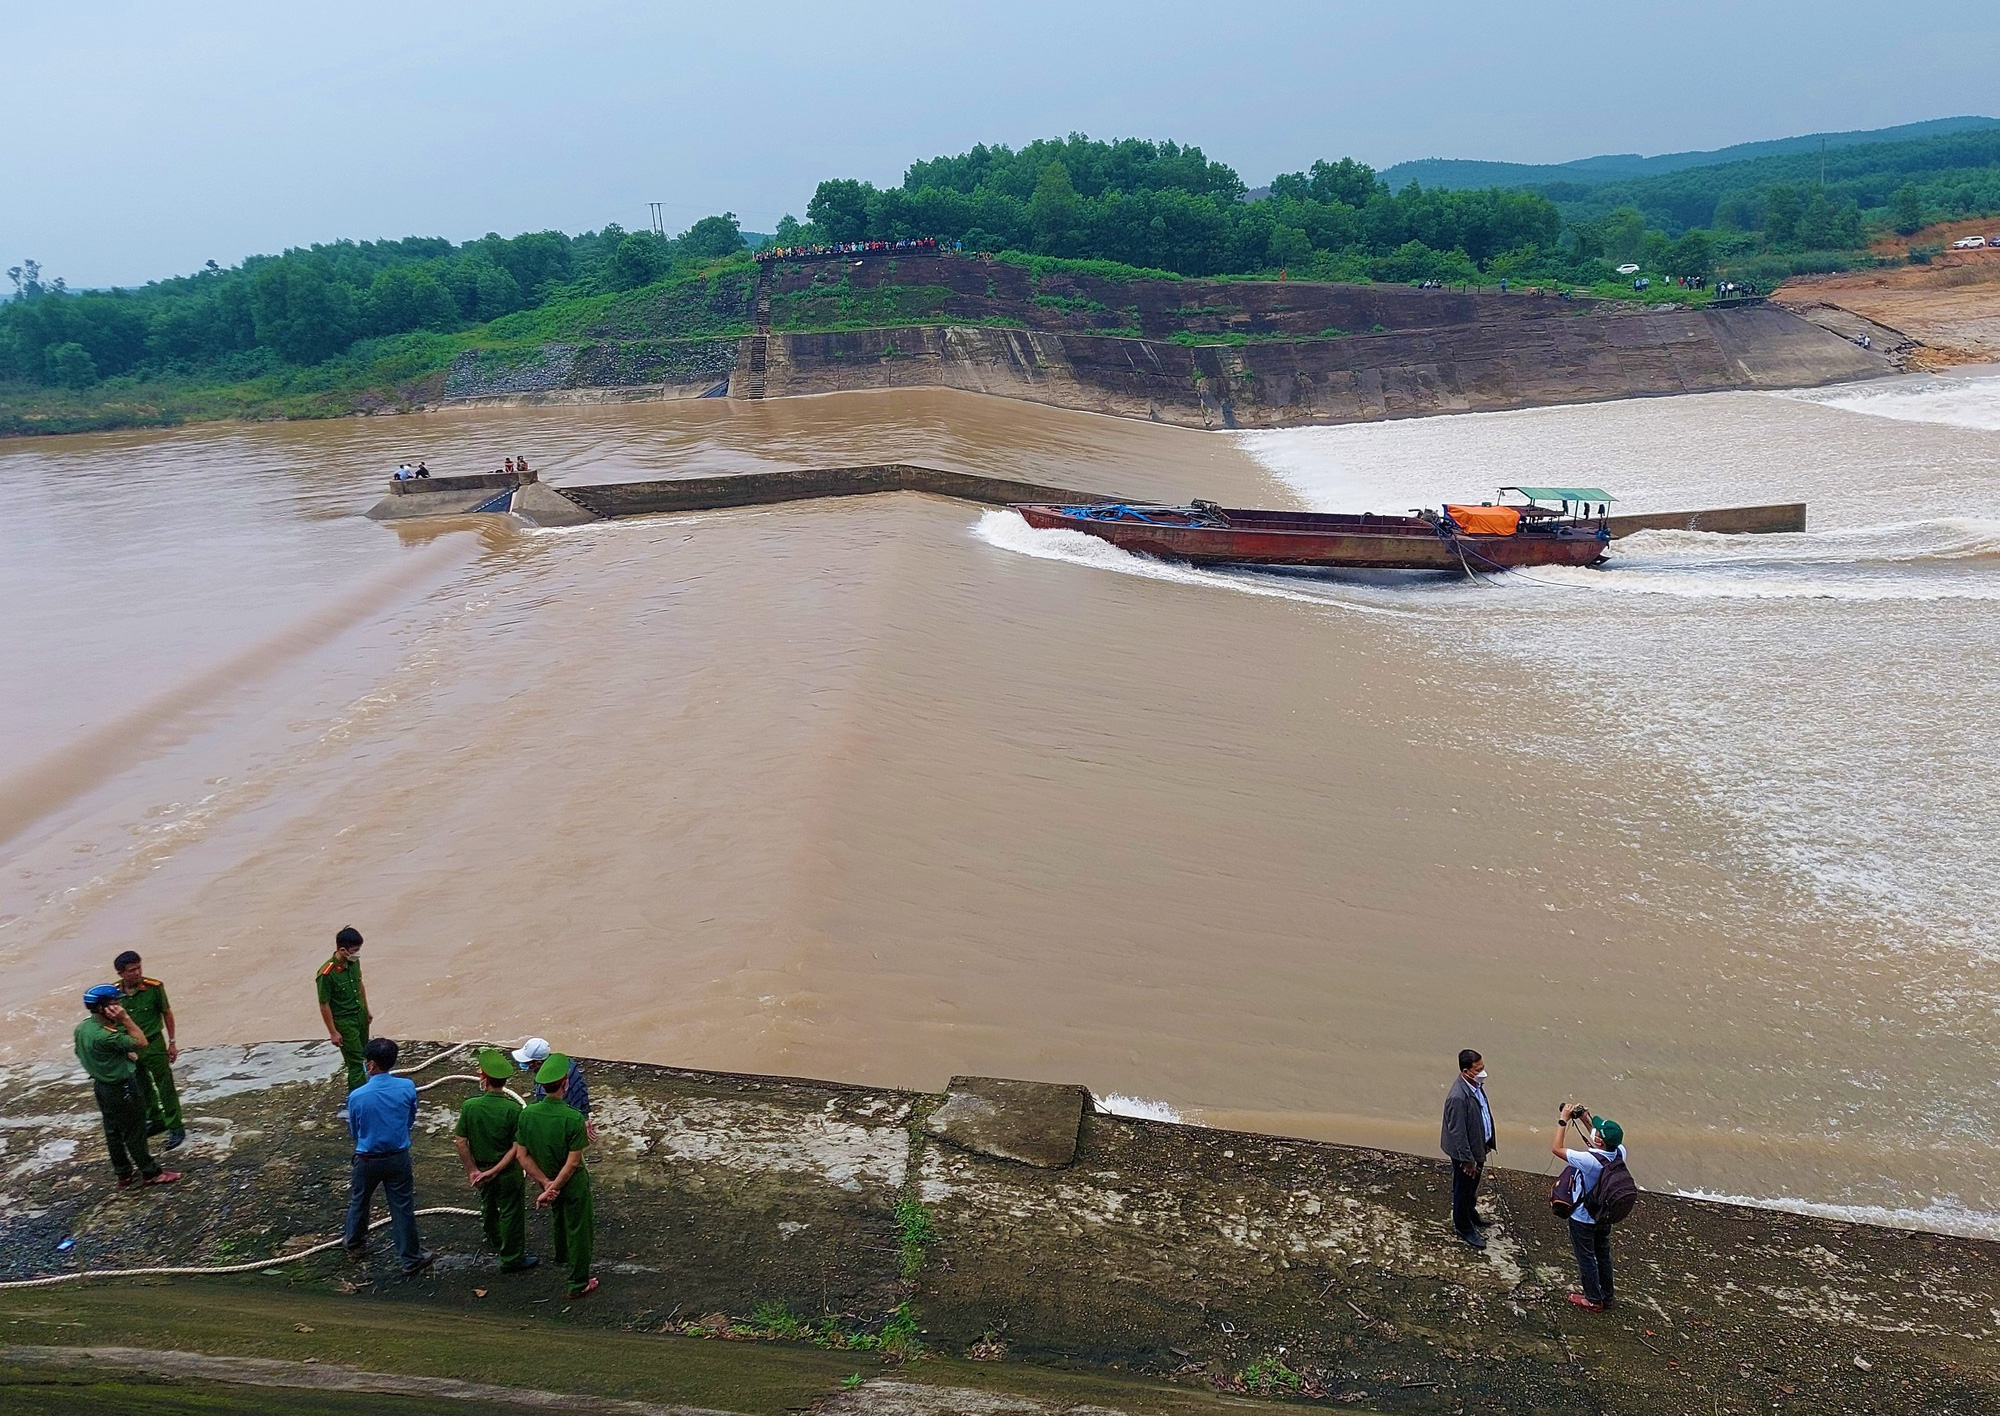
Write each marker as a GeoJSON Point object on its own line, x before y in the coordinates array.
{"type": "Point", "coordinates": [1485, 520]}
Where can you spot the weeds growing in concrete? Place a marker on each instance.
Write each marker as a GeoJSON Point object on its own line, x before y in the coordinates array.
{"type": "Point", "coordinates": [1269, 1376]}
{"type": "Point", "coordinates": [915, 1233]}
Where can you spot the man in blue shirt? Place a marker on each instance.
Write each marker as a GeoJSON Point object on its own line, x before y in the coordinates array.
{"type": "Point", "coordinates": [380, 1113]}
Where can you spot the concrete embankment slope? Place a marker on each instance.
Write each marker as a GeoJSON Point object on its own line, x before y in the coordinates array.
{"type": "Point", "coordinates": [1356, 378]}
{"type": "Point", "coordinates": [1279, 353]}
{"type": "Point", "coordinates": [1015, 1220]}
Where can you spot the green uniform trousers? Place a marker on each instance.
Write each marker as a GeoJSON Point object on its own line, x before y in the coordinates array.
{"type": "Point", "coordinates": [573, 1223]}
{"type": "Point", "coordinates": [125, 1129]}
{"type": "Point", "coordinates": [155, 1079]}
{"type": "Point", "coordinates": [503, 1210]}
{"type": "Point", "coordinates": [353, 1037]}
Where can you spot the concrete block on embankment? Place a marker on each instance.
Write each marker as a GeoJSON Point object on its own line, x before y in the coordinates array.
{"type": "Point", "coordinates": [1035, 1123]}
{"type": "Point", "coordinates": [538, 504]}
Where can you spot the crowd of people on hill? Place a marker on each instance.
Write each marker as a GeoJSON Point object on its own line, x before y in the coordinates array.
{"type": "Point", "coordinates": [908, 246]}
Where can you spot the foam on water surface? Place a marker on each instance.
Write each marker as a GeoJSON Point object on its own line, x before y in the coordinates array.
{"type": "Point", "coordinates": [1944, 1216]}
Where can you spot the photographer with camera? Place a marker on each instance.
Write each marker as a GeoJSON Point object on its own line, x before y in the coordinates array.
{"type": "Point", "coordinates": [1467, 1141]}
{"type": "Point", "coordinates": [1594, 1192]}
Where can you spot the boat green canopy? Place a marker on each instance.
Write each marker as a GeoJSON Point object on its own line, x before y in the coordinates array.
{"type": "Point", "coordinates": [1597, 494]}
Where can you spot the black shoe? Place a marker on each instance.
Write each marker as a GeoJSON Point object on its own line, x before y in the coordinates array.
{"type": "Point", "coordinates": [357, 1252]}
{"type": "Point", "coordinates": [522, 1267]}
{"type": "Point", "coordinates": [1484, 1221]}
{"type": "Point", "coordinates": [174, 1138]}
{"type": "Point", "coordinates": [158, 1129]}
{"type": "Point", "coordinates": [424, 1261]}
{"type": "Point", "coordinates": [1475, 1239]}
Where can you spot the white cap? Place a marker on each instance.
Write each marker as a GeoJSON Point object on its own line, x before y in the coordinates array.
{"type": "Point", "coordinates": [533, 1050]}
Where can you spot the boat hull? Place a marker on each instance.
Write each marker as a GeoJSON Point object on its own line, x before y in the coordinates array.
{"type": "Point", "coordinates": [1245, 537]}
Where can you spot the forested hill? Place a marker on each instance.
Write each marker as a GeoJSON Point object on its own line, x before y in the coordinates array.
{"type": "Point", "coordinates": [312, 328]}
{"type": "Point", "coordinates": [1463, 173]}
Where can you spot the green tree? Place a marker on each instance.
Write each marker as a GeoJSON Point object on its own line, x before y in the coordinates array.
{"type": "Point", "coordinates": [299, 313]}
{"type": "Point", "coordinates": [839, 207]}
{"type": "Point", "coordinates": [639, 259]}
{"type": "Point", "coordinates": [712, 238]}
{"type": "Point", "coordinates": [1909, 205]}
{"type": "Point", "coordinates": [1623, 234]}
{"type": "Point", "coordinates": [1692, 255]}
{"type": "Point", "coordinates": [1052, 211]}
{"type": "Point", "coordinates": [498, 293]}
{"type": "Point", "coordinates": [1782, 209]}
{"type": "Point", "coordinates": [1289, 246]}
{"type": "Point", "coordinates": [70, 365]}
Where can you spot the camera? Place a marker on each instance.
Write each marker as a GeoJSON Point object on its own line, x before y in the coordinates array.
{"type": "Point", "coordinates": [1573, 1110]}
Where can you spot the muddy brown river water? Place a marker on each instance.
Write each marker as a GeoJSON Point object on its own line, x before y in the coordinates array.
{"type": "Point", "coordinates": [891, 788]}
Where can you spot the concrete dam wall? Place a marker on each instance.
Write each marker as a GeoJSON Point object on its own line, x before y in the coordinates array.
{"type": "Point", "coordinates": [1287, 353]}
{"type": "Point", "coordinates": [1454, 368]}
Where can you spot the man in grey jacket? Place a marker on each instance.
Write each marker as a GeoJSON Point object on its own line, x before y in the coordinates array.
{"type": "Point", "coordinates": [1467, 1141]}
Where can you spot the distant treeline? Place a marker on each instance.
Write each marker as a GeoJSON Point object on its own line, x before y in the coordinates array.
{"type": "Point", "coordinates": [315, 302]}
{"type": "Point", "coordinates": [1870, 184]}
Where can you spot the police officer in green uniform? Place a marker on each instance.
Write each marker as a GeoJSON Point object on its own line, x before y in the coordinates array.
{"type": "Point", "coordinates": [145, 1003]}
{"type": "Point", "coordinates": [550, 1142]}
{"type": "Point", "coordinates": [487, 1126]}
{"type": "Point", "coordinates": [108, 1044]}
{"type": "Point", "coordinates": [343, 1003]}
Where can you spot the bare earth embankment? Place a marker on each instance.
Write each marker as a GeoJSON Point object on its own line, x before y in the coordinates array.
{"type": "Point", "coordinates": [1948, 310]}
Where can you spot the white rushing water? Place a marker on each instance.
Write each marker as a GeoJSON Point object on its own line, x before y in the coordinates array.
{"type": "Point", "coordinates": [1837, 690]}
{"type": "Point", "coordinates": [1966, 400]}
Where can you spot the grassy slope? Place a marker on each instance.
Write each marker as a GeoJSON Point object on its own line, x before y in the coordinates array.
{"type": "Point", "coordinates": [274, 1318]}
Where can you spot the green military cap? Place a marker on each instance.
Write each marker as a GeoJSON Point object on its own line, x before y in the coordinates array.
{"type": "Point", "coordinates": [554, 1069]}
{"type": "Point", "coordinates": [495, 1063]}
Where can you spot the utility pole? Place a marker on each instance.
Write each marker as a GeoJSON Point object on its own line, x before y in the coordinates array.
{"type": "Point", "coordinates": [1822, 164]}
{"type": "Point", "coordinates": [660, 221]}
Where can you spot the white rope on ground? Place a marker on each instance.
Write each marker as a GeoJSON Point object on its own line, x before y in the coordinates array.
{"type": "Point", "coordinates": [433, 1058]}
{"type": "Point", "coordinates": [204, 1270]}
{"type": "Point", "coordinates": [257, 1264]}
{"type": "Point", "coordinates": [507, 1092]}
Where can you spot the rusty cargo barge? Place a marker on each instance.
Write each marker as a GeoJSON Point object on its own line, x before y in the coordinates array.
{"type": "Point", "coordinates": [1459, 539]}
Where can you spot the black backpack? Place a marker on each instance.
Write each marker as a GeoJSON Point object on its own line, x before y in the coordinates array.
{"type": "Point", "coordinates": [1610, 1200]}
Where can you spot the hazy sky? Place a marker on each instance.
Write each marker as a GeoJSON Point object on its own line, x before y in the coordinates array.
{"type": "Point", "coordinates": [143, 139]}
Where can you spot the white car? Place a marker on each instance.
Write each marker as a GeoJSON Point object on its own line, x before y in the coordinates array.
{"type": "Point", "coordinates": [1628, 269]}
{"type": "Point", "coordinates": [1969, 243]}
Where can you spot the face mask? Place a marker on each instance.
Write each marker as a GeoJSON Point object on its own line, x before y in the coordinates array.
{"type": "Point", "coordinates": [1480, 1076]}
